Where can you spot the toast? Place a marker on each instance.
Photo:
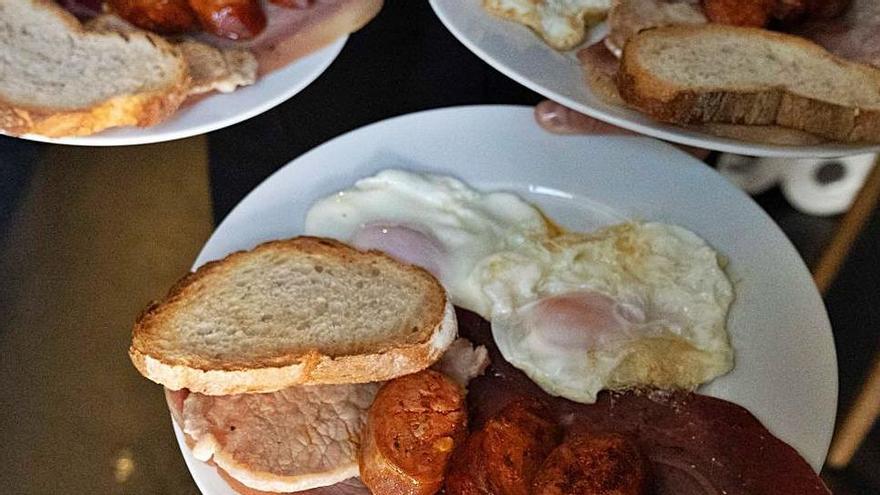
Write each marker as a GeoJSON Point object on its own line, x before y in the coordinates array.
{"type": "Point", "coordinates": [735, 75]}
{"type": "Point", "coordinates": [291, 312]}
{"type": "Point", "coordinates": [59, 79]}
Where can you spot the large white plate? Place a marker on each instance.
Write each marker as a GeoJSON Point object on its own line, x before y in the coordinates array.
{"type": "Point", "coordinates": [786, 370]}
{"type": "Point", "coordinates": [218, 110]}
{"type": "Point", "coordinates": [518, 53]}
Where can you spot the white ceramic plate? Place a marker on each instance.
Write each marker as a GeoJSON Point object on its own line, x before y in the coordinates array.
{"type": "Point", "coordinates": [786, 370]}
{"type": "Point", "coordinates": [218, 110]}
{"type": "Point", "coordinates": [518, 53]}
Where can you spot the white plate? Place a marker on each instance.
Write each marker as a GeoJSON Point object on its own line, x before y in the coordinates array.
{"type": "Point", "coordinates": [786, 371]}
{"type": "Point", "coordinates": [218, 110]}
{"type": "Point", "coordinates": [518, 53]}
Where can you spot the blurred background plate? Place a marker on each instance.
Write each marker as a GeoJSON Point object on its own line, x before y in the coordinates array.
{"type": "Point", "coordinates": [520, 54]}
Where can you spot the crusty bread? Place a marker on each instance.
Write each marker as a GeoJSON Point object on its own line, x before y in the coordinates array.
{"type": "Point", "coordinates": [736, 75]}
{"type": "Point", "coordinates": [210, 68]}
{"type": "Point", "coordinates": [298, 311]}
{"type": "Point", "coordinates": [600, 70]}
{"type": "Point", "coordinates": [58, 79]}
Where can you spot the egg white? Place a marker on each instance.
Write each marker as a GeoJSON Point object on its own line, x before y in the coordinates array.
{"type": "Point", "coordinates": [466, 224]}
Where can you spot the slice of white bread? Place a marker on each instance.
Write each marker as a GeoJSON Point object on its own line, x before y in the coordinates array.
{"type": "Point", "coordinates": [59, 79]}
{"type": "Point", "coordinates": [298, 311]}
{"type": "Point", "coordinates": [736, 75]}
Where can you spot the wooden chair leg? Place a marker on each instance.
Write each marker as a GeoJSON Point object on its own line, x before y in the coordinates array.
{"type": "Point", "coordinates": [858, 421]}
{"type": "Point", "coordinates": [855, 425]}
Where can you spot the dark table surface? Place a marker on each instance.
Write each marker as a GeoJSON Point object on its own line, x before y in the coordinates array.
{"type": "Point", "coordinates": [403, 61]}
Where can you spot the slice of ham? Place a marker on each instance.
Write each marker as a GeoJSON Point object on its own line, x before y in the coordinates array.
{"type": "Point", "coordinates": [463, 361]}
{"type": "Point", "coordinates": [628, 17]}
{"type": "Point", "coordinates": [696, 444]}
{"type": "Point", "coordinates": [854, 36]}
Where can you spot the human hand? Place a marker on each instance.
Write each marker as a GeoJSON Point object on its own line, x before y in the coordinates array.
{"type": "Point", "coordinates": [558, 119]}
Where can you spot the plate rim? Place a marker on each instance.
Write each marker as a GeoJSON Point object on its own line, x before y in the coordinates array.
{"type": "Point", "coordinates": [722, 144]}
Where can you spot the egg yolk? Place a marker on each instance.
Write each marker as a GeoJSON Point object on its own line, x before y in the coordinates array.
{"type": "Point", "coordinates": [582, 320]}
{"type": "Point", "coordinates": [402, 243]}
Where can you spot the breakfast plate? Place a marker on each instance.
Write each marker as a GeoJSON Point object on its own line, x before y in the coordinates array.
{"type": "Point", "coordinates": [520, 54]}
{"type": "Point", "coordinates": [218, 110]}
{"type": "Point", "coordinates": [786, 371]}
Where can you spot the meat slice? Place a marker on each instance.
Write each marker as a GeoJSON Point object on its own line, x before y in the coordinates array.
{"type": "Point", "coordinates": [600, 464]}
{"type": "Point", "coordinates": [294, 439]}
{"type": "Point", "coordinates": [752, 13]}
{"type": "Point", "coordinates": [628, 17]}
{"type": "Point", "coordinates": [694, 443]}
{"type": "Point", "coordinates": [502, 457]}
{"type": "Point", "coordinates": [462, 361]}
{"type": "Point", "coordinates": [413, 426]}
{"type": "Point", "coordinates": [855, 35]}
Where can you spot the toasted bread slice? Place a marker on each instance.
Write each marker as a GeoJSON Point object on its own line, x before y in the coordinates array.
{"type": "Point", "coordinates": [298, 311]}
{"type": "Point", "coordinates": [737, 75]}
{"type": "Point", "coordinates": [58, 79]}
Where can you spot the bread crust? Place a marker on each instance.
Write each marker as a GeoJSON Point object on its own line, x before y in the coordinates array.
{"type": "Point", "coordinates": [136, 109]}
{"type": "Point", "coordinates": [667, 102]}
{"type": "Point", "coordinates": [282, 371]}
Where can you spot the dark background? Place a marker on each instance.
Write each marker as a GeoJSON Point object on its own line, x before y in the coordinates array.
{"type": "Point", "coordinates": [65, 399]}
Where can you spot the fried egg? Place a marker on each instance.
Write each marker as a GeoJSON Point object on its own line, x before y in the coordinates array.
{"type": "Point", "coordinates": [636, 304]}
{"type": "Point", "coordinates": [631, 305]}
{"type": "Point", "coordinates": [562, 24]}
{"type": "Point", "coordinates": [435, 222]}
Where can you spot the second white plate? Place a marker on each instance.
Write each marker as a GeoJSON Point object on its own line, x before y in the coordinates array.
{"type": "Point", "coordinates": [518, 53]}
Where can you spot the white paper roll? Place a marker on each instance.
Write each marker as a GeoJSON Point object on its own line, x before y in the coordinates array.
{"type": "Point", "coordinates": [825, 186]}
{"type": "Point", "coordinates": [752, 175]}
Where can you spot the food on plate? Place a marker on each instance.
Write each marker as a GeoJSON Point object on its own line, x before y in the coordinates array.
{"type": "Point", "coordinates": [436, 222]}
{"type": "Point", "coordinates": [138, 79]}
{"type": "Point", "coordinates": [163, 17]}
{"type": "Point", "coordinates": [562, 24]}
{"type": "Point", "coordinates": [413, 426]}
{"type": "Point", "coordinates": [593, 464]}
{"type": "Point", "coordinates": [233, 19]}
{"type": "Point", "coordinates": [628, 17]}
{"type": "Point", "coordinates": [292, 312]}
{"type": "Point", "coordinates": [753, 13]}
{"type": "Point", "coordinates": [210, 68]}
{"type": "Point", "coordinates": [314, 326]}
{"type": "Point", "coordinates": [290, 440]}
{"type": "Point", "coordinates": [217, 69]}
{"type": "Point", "coordinates": [674, 74]}
{"type": "Point", "coordinates": [113, 72]}
{"type": "Point", "coordinates": [504, 454]}
{"type": "Point", "coordinates": [637, 304]}
{"type": "Point", "coordinates": [853, 36]}
{"type": "Point", "coordinates": [694, 444]}
{"type": "Point", "coordinates": [462, 361]}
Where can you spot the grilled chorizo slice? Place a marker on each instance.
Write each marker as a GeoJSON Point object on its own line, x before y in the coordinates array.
{"type": "Point", "coordinates": [160, 16]}
{"type": "Point", "coordinates": [606, 464]}
{"type": "Point", "coordinates": [413, 426]}
{"type": "Point", "coordinates": [233, 19]}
